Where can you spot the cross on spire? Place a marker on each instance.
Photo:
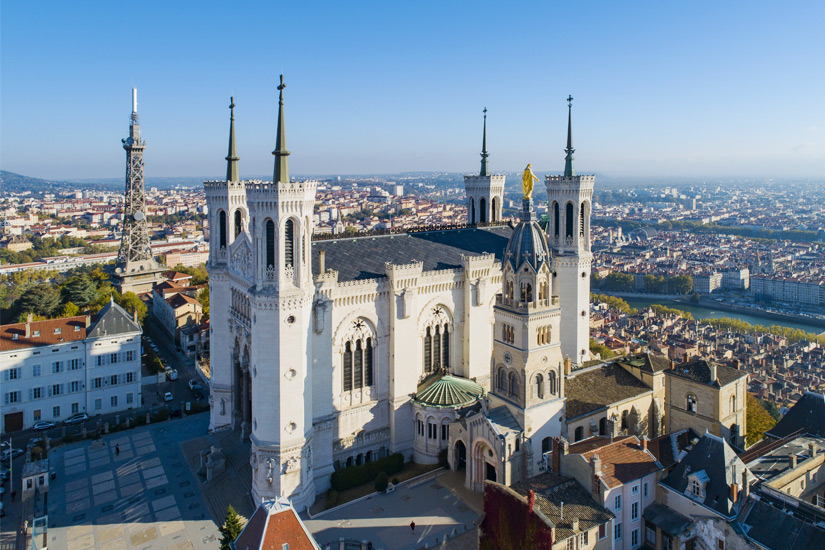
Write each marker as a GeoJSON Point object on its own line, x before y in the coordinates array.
{"type": "Point", "coordinates": [570, 101]}
{"type": "Point", "coordinates": [232, 155]}
{"type": "Point", "coordinates": [485, 169]}
{"type": "Point", "coordinates": [569, 172]}
{"type": "Point", "coordinates": [281, 153]}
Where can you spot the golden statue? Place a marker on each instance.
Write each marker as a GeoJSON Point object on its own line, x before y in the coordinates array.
{"type": "Point", "coordinates": [527, 181]}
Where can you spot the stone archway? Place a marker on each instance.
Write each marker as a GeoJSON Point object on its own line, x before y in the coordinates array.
{"type": "Point", "coordinates": [484, 464]}
{"type": "Point", "coordinates": [460, 462]}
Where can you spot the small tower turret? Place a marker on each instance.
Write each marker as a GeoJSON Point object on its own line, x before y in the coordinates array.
{"type": "Point", "coordinates": [484, 191]}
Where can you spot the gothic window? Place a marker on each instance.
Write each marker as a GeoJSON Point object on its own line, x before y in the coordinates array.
{"type": "Point", "coordinates": [445, 347]}
{"type": "Point", "coordinates": [483, 210]}
{"type": "Point", "coordinates": [437, 348]}
{"type": "Point", "coordinates": [690, 402]}
{"type": "Point", "coordinates": [238, 223]}
{"type": "Point", "coordinates": [526, 292]}
{"type": "Point", "coordinates": [539, 386]}
{"type": "Point", "coordinates": [551, 376]}
{"type": "Point", "coordinates": [513, 384]}
{"type": "Point", "coordinates": [624, 420]}
{"type": "Point", "coordinates": [546, 445]}
{"type": "Point", "coordinates": [556, 220]}
{"type": "Point", "coordinates": [428, 347]}
{"type": "Point", "coordinates": [270, 244]}
{"type": "Point", "coordinates": [494, 214]}
{"type": "Point", "coordinates": [472, 210]}
{"type": "Point", "coordinates": [289, 243]}
{"type": "Point", "coordinates": [569, 219]}
{"type": "Point", "coordinates": [437, 343]}
{"type": "Point", "coordinates": [732, 404]}
{"type": "Point", "coordinates": [222, 228]}
{"type": "Point", "coordinates": [358, 367]}
{"type": "Point", "coordinates": [510, 289]}
{"type": "Point", "coordinates": [603, 426]}
{"type": "Point", "coordinates": [579, 434]}
{"type": "Point", "coordinates": [368, 363]}
{"type": "Point", "coordinates": [581, 220]}
{"type": "Point", "coordinates": [502, 379]}
{"type": "Point", "coordinates": [348, 367]}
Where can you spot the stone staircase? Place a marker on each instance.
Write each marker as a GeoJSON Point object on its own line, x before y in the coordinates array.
{"type": "Point", "coordinates": [231, 487]}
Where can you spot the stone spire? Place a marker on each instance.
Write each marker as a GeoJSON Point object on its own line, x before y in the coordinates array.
{"type": "Point", "coordinates": [232, 155]}
{"type": "Point", "coordinates": [569, 172]}
{"type": "Point", "coordinates": [485, 169]}
{"type": "Point", "coordinates": [281, 166]}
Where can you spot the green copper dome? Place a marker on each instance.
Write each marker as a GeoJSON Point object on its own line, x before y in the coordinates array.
{"type": "Point", "coordinates": [449, 391]}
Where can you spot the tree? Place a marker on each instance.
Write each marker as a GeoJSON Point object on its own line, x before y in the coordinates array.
{"type": "Point", "coordinates": [382, 480]}
{"type": "Point", "coordinates": [618, 282]}
{"type": "Point", "coordinates": [131, 302]}
{"type": "Point", "coordinates": [680, 284]}
{"type": "Point", "coordinates": [758, 419]}
{"type": "Point", "coordinates": [231, 529]}
{"type": "Point", "coordinates": [69, 310]}
{"type": "Point", "coordinates": [80, 290]}
{"type": "Point", "coordinates": [603, 351]}
{"type": "Point", "coordinates": [41, 299]}
{"type": "Point", "coordinates": [203, 298]}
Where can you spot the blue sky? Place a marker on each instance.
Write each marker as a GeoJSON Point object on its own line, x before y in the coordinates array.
{"type": "Point", "coordinates": [661, 88]}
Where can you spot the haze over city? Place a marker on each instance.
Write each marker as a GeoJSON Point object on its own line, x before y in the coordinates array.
{"type": "Point", "coordinates": [704, 90]}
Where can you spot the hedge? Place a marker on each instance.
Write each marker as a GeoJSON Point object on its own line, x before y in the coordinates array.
{"type": "Point", "coordinates": [352, 476]}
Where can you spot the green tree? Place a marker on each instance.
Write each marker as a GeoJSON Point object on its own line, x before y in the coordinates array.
{"type": "Point", "coordinates": [758, 419]}
{"type": "Point", "coordinates": [382, 480]}
{"type": "Point", "coordinates": [651, 284]}
{"type": "Point", "coordinates": [203, 298]}
{"type": "Point", "coordinates": [680, 284]}
{"type": "Point", "coordinates": [69, 310]}
{"type": "Point", "coordinates": [131, 302]}
{"type": "Point", "coordinates": [618, 282]}
{"type": "Point", "coordinates": [80, 290]}
{"type": "Point", "coordinates": [41, 299]}
{"type": "Point", "coordinates": [231, 528]}
{"type": "Point", "coordinates": [601, 349]}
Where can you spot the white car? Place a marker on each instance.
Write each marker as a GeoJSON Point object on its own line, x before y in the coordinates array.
{"type": "Point", "coordinates": [171, 374]}
{"type": "Point", "coordinates": [168, 396]}
{"type": "Point", "coordinates": [10, 453]}
{"type": "Point", "coordinates": [43, 425]}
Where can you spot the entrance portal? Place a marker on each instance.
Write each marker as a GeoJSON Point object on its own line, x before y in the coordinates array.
{"type": "Point", "coordinates": [460, 456]}
{"type": "Point", "coordinates": [491, 472]}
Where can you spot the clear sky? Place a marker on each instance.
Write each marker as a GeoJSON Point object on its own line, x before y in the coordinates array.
{"type": "Point", "coordinates": [703, 88]}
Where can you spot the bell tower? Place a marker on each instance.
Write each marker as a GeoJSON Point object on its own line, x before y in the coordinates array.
{"type": "Point", "coordinates": [281, 299]}
{"type": "Point", "coordinates": [527, 374]}
{"type": "Point", "coordinates": [570, 200]}
{"type": "Point", "coordinates": [484, 191]}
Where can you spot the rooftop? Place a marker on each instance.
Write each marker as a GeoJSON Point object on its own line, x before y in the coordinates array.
{"type": "Point", "coordinates": [623, 458]}
{"type": "Point", "coordinates": [594, 389]}
{"type": "Point", "coordinates": [699, 370]}
{"type": "Point", "coordinates": [449, 391]}
{"type": "Point", "coordinates": [42, 333]}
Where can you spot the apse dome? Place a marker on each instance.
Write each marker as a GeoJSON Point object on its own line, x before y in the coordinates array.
{"type": "Point", "coordinates": [528, 244]}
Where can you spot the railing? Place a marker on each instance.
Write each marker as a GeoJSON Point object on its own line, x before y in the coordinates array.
{"type": "Point", "coordinates": [401, 231]}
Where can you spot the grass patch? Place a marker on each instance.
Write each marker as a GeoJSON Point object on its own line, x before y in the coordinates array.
{"type": "Point", "coordinates": [410, 471]}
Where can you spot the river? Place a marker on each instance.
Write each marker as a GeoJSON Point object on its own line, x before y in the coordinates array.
{"type": "Point", "coordinates": [703, 312]}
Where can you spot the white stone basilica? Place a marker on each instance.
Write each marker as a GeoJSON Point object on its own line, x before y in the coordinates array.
{"type": "Point", "coordinates": [335, 352]}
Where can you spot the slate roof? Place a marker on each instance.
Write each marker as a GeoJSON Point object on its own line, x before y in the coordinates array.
{"type": "Point", "coordinates": [672, 523]}
{"type": "Point", "coordinates": [713, 456]}
{"type": "Point", "coordinates": [698, 370]}
{"type": "Point", "coordinates": [449, 391]}
{"type": "Point", "coordinates": [528, 244]}
{"type": "Point", "coordinates": [551, 490]}
{"type": "Point", "coordinates": [668, 447]}
{"type": "Point", "coordinates": [503, 420]}
{"type": "Point", "coordinates": [71, 329]}
{"type": "Point", "coordinates": [648, 362]}
{"type": "Point", "coordinates": [778, 530]}
{"type": "Point", "coordinates": [807, 415]}
{"type": "Point", "coordinates": [113, 320]}
{"type": "Point", "coordinates": [623, 459]}
{"type": "Point", "coordinates": [595, 389]}
{"type": "Point", "coordinates": [778, 461]}
{"type": "Point", "coordinates": [358, 258]}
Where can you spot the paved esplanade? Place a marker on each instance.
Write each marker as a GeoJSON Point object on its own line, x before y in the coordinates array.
{"type": "Point", "coordinates": [385, 519]}
{"type": "Point", "coordinates": [144, 497]}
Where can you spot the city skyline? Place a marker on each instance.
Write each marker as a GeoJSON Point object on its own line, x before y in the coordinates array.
{"type": "Point", "coordinates": [390, 89]}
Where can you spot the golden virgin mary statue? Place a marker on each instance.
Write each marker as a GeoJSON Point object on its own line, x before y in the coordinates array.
{"type": "Point", "coordinates": [527, 181]}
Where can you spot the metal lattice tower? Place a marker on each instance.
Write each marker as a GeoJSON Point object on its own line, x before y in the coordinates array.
{"type": "Point", "coordinates": [134, 244]}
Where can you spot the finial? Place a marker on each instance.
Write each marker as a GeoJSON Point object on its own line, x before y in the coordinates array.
{"type": "Point", "coordinates": [485, 169]}
{"type": "Point", "coordinates": [281, 174]}
{"type": "Point", "coordinates": [232, 155]}
{"type": "Point", "coordinates": [569, 171]}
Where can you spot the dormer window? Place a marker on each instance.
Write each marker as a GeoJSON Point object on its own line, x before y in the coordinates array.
{"type": "Point", "coordinates": [36, 333]}
{"type": "Point", "coordinates": [696, 487]}
{"type": "Point", "coordinates": [77, 328]}
{"type": "Point", "coordinates": [57, 330]}
{"type": "Point", "coordinates": [697, 483]}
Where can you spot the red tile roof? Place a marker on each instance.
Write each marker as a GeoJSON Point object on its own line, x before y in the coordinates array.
{"type": "Point", "coordinates": [623, 460]}
{"type": "Point", "coordinates": [71, 329]}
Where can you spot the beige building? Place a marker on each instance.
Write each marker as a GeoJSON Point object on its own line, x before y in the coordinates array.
{"type": "Point", "coordinates": [706, 396]}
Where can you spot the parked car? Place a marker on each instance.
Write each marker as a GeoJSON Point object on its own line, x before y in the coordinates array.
{"type": "Point", "coordinates": [43, 425]}
{"type": "Point", "coordinates": [171, 374]}
{"type": "Point", "coordinates": [10, 453]}
{"type": "Point", "coordinates": [4, 474]}
{"type": "Point", "coordinates": [194, 385]}
{"type": "Point", "coordinates": [168, 396]}
{"type": "Point", "coordinates": [76, 418]}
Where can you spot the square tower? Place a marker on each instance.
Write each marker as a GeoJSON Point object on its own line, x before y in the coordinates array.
{"type": "Point", "coordinates": [484, 191]}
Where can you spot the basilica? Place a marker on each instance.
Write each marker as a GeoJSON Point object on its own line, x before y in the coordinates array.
{"type": "Point", "coordinates": [330, 353]}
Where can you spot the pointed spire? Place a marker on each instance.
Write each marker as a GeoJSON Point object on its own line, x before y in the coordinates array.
{"type": "Point", "coordinates": [281, 167]}
{"type": "Point", "coordinates": [569, 172]}
{"type": "Point", "coordinates": [485, 169]}
{"type": "Point", "coordinates": [232, 155]}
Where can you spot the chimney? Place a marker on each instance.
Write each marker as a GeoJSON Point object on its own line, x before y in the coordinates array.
{"type": "Point", "coordinates": [135, 315]}
{"type": "Point", "coordinates": [560, 447]}
{"type": "Point", "coordinates": [812, 450]}
{"type": "Point", "coordinates": [88, 320]}
{"type": "Point", "coordinates": [734, 492]}
{"type": "Point", "coordinates": [575, 525]}
{"type": "Point", "coordinates": [568, 366]}
{"type": "Point", "coordinates": [561, 508]}
{"type": "Point", "coordinates": [596, 470]}
{"type": "Point", "coordinates": [746, 488]}
{"type": "Point", "coordinates": [793, 459]}
{"type": "Point", "coordinates": [29, 318]}
{"type": "Point", "coordinates": [712, 372]}
{"type": "Point", "coordinates": [322, 261]}
{"type": "Point", "coordinates": [644, 442]}
{"type": "Point", "coordinates": [672, 364]}
{"type": "Point", "coordinates": [531, 502]}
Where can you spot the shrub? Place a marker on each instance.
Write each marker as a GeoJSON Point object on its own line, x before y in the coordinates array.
{"type": "Point", "coordinates": [352, 476]}
{"type": "Point", "coordinates": [382, 480]}
{"type": "Point", "coordinates": [161, 415]}
{"type": "Point", "coordinates": [37, 453]}
{"type": "Point", "coordinates": [332, 498]}
{"type": "Point", "coordinates": [395, 481]}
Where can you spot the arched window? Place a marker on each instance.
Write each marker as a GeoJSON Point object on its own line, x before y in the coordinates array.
{"type": "Point", "coordinates": [732, 404]}
{"type": "Point", "coordinates": [437, 343]}
{"type": "Point", "coordinates": [579, 434]}
{"type": "Point", "coordinates": [556, 220]}
{"type": "Point", "coordinates": [691, 402]}
{"type": "Point", "coordinates": [624, 420]}
{"type": "Point", "coordinates": [428, 351]}
{"type": "Point", "coordinates": [502, 379]}
{"type": "Point", "coordinates": [510, 289]}
{"type": "Point", "coordinates": [603, 426]}
{"type": "Point", "coordinates": [437, 348]}
{"type": "Point", "coordinates": [270, 244]}
{"type": "Point", "coordinates": [289, 243]}
{"type": "Point", "coordinates": [551, 376]}
{"type": "Point", "coordinates": [513, 384]}
{"type": "Point", "coordinates": [238, 223]}
{"type": "Point", "coordinates": [472, 210]}
{"type": "Point", "coordinates": [529, 293]}
{"type": "Point", "coordinates": [546, 445]}
{"type": "Point", "coordinates": [445, 347]}
{"type": "Point", "coordinates": [482, 215]}
{"type": "Point", "coordinates": [222, 228]}
{"type": "Point", "coordinates": [539, 386]}
{"type": "Point", "coordinates": [358, 370]}
{"type": "Point", "coordinates": [569, 219]}
{"type": "Point", "coordinates": [581, 220]}
{"type": "Point", "coordinates": [348, 367]}
{"type": "Point", "coordinates": [368, 363]}
{"type": "Point", "coordinates": [494, 208]}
